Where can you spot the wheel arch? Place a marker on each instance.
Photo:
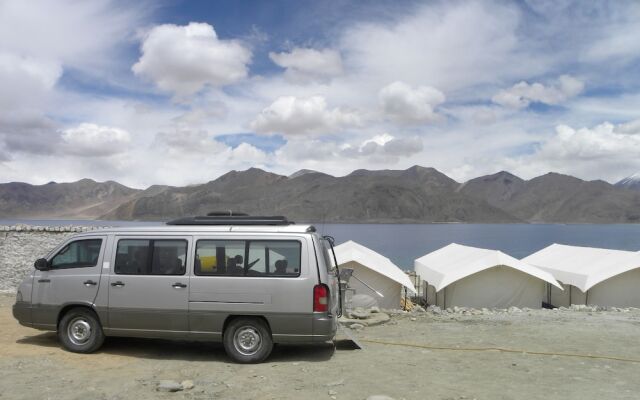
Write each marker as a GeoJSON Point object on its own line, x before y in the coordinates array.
{"type": "Point", "coordinates": [232, 317]}
{"type": "Point", "coordinates": [67, 307]}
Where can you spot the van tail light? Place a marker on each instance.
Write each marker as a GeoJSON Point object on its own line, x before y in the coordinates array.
{"type": "Point", "coordinates": [320, 298]}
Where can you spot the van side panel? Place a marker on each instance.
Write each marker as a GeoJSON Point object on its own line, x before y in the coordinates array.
{"type": "Point", "coordinates": [285, 302]}
{"type": "Point", "coordinates": [148, 305]}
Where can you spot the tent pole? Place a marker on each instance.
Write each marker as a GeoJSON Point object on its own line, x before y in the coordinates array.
{"type": "Point", "coordinates": [570, 287]}
{"type": "Point", "coordinates": [586, 298]}
{"type": "Point", "coordinates": [405, 299]}
{"type": "Point", "coordinates": [444, 298]}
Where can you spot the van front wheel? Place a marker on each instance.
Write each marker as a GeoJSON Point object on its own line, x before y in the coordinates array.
{"type": "Point", "coordinates": [248, 340]}
{"type": "Point", "coordinates": [80, 331]}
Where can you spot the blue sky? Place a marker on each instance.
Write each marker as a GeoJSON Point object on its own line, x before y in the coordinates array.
{"type": "Point", "coordinates": [180, 92]}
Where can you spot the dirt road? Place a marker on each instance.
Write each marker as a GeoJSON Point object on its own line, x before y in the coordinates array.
{"type": "Point", "coordinates": [34, 366]}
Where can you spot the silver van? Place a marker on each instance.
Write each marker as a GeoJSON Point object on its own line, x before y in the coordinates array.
{"type": "Point", "coordinates": [249, 282]}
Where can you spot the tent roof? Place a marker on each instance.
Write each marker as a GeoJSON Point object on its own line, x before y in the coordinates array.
{"type": "Point", "coordinates": [454, 262]}
{"type": "Point", "coordinates": [583, 267]}
{"type": "Point", "coordinates": [352, 251]}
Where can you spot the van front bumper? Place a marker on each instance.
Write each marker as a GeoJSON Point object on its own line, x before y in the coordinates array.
{"type": "Point", "coordinates": [22, 312]}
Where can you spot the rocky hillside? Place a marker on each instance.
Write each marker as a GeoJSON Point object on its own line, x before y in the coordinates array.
{"type": "Point", "coordinates": [417, 194]}
{"type": "Point", "coordinates": [556, 198]}
{"type": "Point", "coordinates": [414, 195]}
{"type": "Point", "coordinates": [84, 199]}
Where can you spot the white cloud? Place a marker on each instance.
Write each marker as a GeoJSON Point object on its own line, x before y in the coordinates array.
{"type": "Point", "coordinates": [630, 128]}
{"type": "Point", "coordinates": [409, 105]}
{"type": "Point", "coordinates": [384, 148]}
{"type": "Point", "coordinates": [91, 140]}
{"type": "Point", "coordinates": [448, 45]}
{"type": "Point", "coordinates": [522, 94]}
{"type": "Point", "coordinates": [304, 64]}
{"type": "Point", "coordinates": [24, 80]}
{"type": "Point", "coordinates": [248, 154]}
{"type": "Point", "coordinates": [605, 151]}
{"type": "Point", "coordinates": [184, 59]}
{"type": "Point", "coordinates": [188, 142]}
{"type": "Point", "coordinates": [290, 115]}
{"type": "Point", "coordinates": [83, 34]}
{"type": "Point", "coordinates": [338, 157]}
{"type": "Point", "coordinates": [597, 143]}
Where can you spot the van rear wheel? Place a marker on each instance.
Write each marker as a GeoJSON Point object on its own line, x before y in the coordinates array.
{"type": "Point", "coordinates": [80, 331]}
{"type": "Point", "coordinates": [247, 340]}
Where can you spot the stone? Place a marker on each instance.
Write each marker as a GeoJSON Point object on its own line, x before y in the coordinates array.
{"type": "Point", "coordinates": [380, 397]}
{"type": "Point", "coordinates": [336, 383]}
{"type": "Point", "coordinates": [374, 309]}
{"type": "Point", "coordinates": [168, 386]}
{"type": "Point", "coordinates": [332, 393]}
{"type": "Point", "coordinates": [378, 319]}
{"type": "Point", "coordinates": [356, 326]}
{"type": "Point", "coordinates": [360, 313]}
{"type": "Point", "coordinates": [435, 309]}
{"type": "Point", "coordinates": [187, 384]}
{"type": "Point", "coordinates": [414, 319]}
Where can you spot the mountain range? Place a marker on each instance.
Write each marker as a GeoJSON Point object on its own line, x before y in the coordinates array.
{"type": "Point", "coordinates": [414, 195]}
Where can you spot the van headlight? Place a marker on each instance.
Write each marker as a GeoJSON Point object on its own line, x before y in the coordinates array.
{"type": "Point", "coordinates": [19, 296]}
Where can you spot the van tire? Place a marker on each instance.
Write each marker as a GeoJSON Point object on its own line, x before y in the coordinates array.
{"type": "Point", "coordinates": [80, 331]}
{"type": "Point", "coordinates": [247, 340]}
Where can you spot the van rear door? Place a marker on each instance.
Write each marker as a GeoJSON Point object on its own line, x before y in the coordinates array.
{"type": "Point", "coordinates": [332, 275]}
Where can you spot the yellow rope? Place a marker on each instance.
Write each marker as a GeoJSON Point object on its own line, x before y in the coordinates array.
{"type": "Point", "coordinates": [500, 349]}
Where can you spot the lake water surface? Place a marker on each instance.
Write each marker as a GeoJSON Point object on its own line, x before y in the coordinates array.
{"type": "Point", "coordinates": [403, 243]}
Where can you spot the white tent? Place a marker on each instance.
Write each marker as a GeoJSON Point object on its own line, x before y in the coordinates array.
{"type": "Point", "coordinates": [591, 275]}
{"type": "Point", "coordinates": [376, 271]}
{"type": "Point", "coordinates": [466, 276]}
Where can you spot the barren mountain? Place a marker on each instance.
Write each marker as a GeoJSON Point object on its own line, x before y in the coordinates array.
{"type": "Point", "coordinates": [416, 194]}
{"type": "Point", "coordinates": [557, 198]}
{"type": "Point", "coordinates": [82, 199]}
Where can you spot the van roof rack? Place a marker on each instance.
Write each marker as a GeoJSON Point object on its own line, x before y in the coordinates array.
{"type": "Point", "coordinates": [231, 219]}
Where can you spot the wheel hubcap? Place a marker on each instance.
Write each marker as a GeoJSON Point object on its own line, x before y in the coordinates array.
{"type": "Point", "coordinates": [79, 331]}
{"type": "Point", "coordinates": [247, 340]}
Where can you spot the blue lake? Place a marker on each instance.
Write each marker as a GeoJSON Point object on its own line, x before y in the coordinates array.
{"type": "Point", "coordinates": [403, 243]}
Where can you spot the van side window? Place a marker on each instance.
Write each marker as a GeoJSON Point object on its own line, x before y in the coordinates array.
{"type": "Point", "coordinates": [277, 258]}
{"type": "Point", "coordinates": [78, 254]}
{"type": "Point", "coordinates": [151, 257]}
{"type": "Point", "coordinates": [220, 257]}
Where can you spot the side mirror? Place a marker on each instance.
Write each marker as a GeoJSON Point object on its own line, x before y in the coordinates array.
{"type": "Point", "coordinates": [41, 264]}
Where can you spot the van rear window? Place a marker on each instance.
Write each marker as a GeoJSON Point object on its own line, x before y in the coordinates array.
{"type": "Point", "coordinates": [258, 258]}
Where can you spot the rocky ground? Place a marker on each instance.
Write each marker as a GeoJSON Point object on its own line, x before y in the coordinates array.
{"type": "Point", "coordinates": [400, 360]}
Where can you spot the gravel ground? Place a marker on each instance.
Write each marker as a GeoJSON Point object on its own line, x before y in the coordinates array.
{"type": "Point", "coordinates": [34, 366]}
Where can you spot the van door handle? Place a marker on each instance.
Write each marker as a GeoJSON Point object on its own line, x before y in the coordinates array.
{"type": "Point", "coordinates": [44, 280]}
{"type": "Point", "coordinates": [179, 285]}
{"type": "Point", "coordinates": [90, 283]}
{"type": "Point", "coordinates": [117, 284]}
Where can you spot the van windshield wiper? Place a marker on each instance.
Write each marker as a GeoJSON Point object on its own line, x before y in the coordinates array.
{"type": "Point", "coordinates": [331, 241]}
